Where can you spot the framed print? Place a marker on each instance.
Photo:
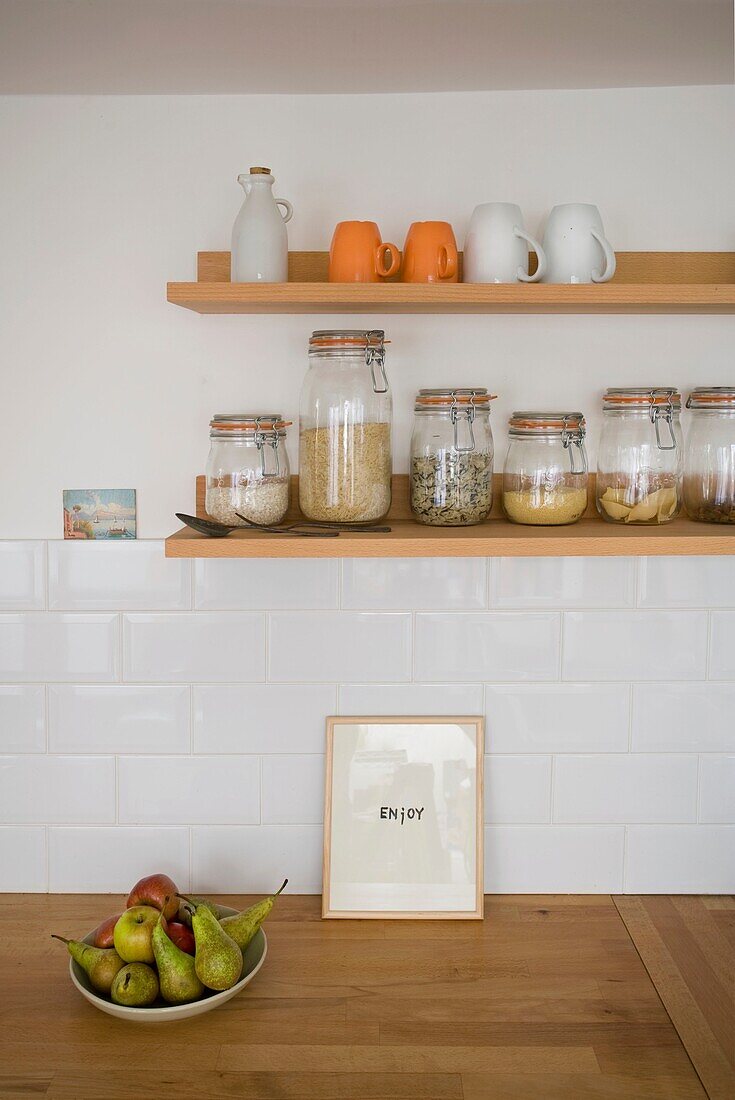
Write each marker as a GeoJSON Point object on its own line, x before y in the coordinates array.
{"type": "Point", "coordinates": [403, 818]}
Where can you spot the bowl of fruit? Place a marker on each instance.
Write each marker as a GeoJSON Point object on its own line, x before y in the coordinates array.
{"type": "Point", "coordinates": [168, 956]}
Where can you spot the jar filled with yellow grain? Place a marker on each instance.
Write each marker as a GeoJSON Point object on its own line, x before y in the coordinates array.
{"type": "Point", "coordinates": [345, 428]}
{"type": "Point", "coordinates": [545, 471]}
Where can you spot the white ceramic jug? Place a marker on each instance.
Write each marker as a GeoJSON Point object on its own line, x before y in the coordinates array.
{"type": "Point", "coordinates": [496, 248]}
{"type": "Point", "coordinates": [259, 239]}
{"type": "Point", "coordinates": [575, 243]}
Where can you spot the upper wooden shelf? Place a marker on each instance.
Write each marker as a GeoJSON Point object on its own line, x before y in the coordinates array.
{"type": "Point", "coordinates": [589, 537]}
{"type": "Point", "coordinates": [645, 282]}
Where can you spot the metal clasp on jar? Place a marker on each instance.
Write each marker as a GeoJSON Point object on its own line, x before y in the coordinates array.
{"type": "Point", "coordinates": [375, 357]}
{"type": "Point", "coordinates": [657, 413]}
{"type": "Point", "coordinates": [572, 439]}
{"type": "Point", "coordinates": [263, 439]}
{"type": "Point", "coordinates": [469, 416]}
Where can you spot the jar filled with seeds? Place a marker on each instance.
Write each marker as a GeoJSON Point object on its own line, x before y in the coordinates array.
{"type": "Point", "coordinates": [545, 472]}
{"type": "Point", "coordinates": [639, 462]}
{"type": "Point", "coordinates": [452, 457]}
{"type": "Point", "coordinates": [709, 455]}
{"type": "Point", "coordinates": [345, 428]}
{"type": "Point", "coordinates": [247, 473]}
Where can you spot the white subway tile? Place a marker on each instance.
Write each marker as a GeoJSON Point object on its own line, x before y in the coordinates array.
{"type": "Point", "coordinates": [131, 576]}
{"type": "Point", "coordinates": [687, 582]}
{"type": "Point", "coordinates": [266, 584]}
{"type": "Point", "coordinates": [262, 718]}
{"type": "Point", "coordinates": [541, 859]}
{"type": "Point", "coordinates": [491, 646]}
{"type": "Point", "coordinates": [517, 790]}
{"type": "Point", "coordinates": [293, 790]}
{"type": "Point", "coordinates": [58, 647]}
{"type": "Point", "coordinates": [722, 646]}
{"type": "Point", "coordinates": [22, 576]}
{"type": "Point", "coordinates": [717, 790]}
{"type": "Point", "coordinates": [23, 859]}
{"type": "Point", "coordinates": [22, 721]}
{"type": "Point", "coordinates": [431, 584]}
{"type": "Point", "coordinates": [73, 790]}
{"type": "Point", "coordinates": [199, 646]}
{"type": "Point", "coordinates": [111, 860]}
{"type": "Point", "coordinates": [189, 790]}
{"type": "Point", "coordinates": [625, 788]}
{"type": "Point", "coordinates": [556, 718]}
{"type": "Point", "coordinates": [256, 859]}
{"type": "Point", "coordinates": [634, 645]}
{"type": "Point", "coordinates": [680, 859]}
{"type": "Point", "coordinates": [339, 645]}
{"type": "Point", "coordinates": [410, 699]}
{"type": "Point", "coordinates": [683, 717]}
{"type": "Point", "coordinates": [118, 718]}
{"type": "Point", "coordinates": [562, 582]}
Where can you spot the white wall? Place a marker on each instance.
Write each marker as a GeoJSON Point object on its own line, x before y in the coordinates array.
{"type": "Point", "coordinates": [102, 200]}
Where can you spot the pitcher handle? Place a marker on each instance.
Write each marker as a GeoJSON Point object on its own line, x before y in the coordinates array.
{"type": "Point", "coordinates": [610, 261]}
{"type": "Point", "coordinates": [540, 256]}
{"type": "Point", "coordinates": [289, 209]}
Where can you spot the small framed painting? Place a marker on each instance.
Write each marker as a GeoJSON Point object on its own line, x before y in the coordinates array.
{"type": "Point", "coordinates": [403, 818]}
{"type": "Point", "coordinates": [100, 514]}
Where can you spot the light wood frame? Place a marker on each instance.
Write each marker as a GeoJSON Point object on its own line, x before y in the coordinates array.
{"type": "Point", "coordinates": [403, 719]}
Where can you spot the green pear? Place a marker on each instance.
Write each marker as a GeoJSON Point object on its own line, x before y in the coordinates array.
{"type": "Point", "coordinates": [176, 973]}
{"type": "Point", "coordinates": [189, 902]}
{"type": "Point", "coordinates": [218, 959]}
{"type": "Point", "coordinates": [135, 986]}
{"type": "Point", "coordinates": [243, 926]}
{"type": "Point", "coordinates": [100, 964]}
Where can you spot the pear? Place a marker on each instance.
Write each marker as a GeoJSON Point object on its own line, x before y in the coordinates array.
{"type": "Point", "coordinates": [243, 926]}
{"type": "Point", "coordinates": [189, 902]}
{"type": "Point", "coordinates": [100, 964]}
{"type": "Point", "coordinates": [176, 973]}
{"type": "Point", "coordinates": [218, 959]}
{"type": "Point", "coordinates": [135, 986]}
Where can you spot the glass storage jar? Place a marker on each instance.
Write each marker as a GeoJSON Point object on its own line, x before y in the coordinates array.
{"type": "Point", "coordinates": [345, 428]}
{"type": "Point", "coordinates": [247, 470]}
{"type": "Point", "coordinates": [639, 463]}
{"type": "Point", "coordinates": [545, 471]}
{"type": "Point", "coordinates": [452, 457]}
{"type": "Point", "coordinates": [709, 455]}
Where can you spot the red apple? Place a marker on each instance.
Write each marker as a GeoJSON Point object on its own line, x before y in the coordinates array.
{"type": "Point", "coordinates": [182, 936]}
{"type": "Point", "coordinates": [134, 932]}
{"type": "Point", "coordinates": [103, 933]}
{"type": "Point", "coordinates": [154, 890]}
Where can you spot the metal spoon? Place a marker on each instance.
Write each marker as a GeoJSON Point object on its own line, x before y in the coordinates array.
{"type": "Point", "coordinates": [222, 530]}
{"type": "Point", "coordinates": [327, 525]}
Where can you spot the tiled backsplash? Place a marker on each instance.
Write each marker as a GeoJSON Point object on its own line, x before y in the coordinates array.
{"type": "Point", "coordinates": [169, 714]}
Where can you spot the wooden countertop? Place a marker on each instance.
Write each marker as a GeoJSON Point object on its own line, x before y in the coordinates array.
{"type": "Point", "coordinates": [547, 997]}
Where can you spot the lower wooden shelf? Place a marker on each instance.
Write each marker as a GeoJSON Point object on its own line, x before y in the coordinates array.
{"type": "Point", "coordinates": [590, 537]}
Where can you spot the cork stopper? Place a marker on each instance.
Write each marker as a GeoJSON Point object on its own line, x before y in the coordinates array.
{"type": "Point", "coordinates": [260, 171]}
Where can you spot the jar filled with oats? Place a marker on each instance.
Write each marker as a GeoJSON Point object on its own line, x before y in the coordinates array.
{"type": "Point", "coordinates": [452, 457]}
{"type": "Point", "coordinates": [247, 473]}
{"type": "Point", "coordinates": [545, 472]}
{"type": "Point", "coordinates": [345, 428]}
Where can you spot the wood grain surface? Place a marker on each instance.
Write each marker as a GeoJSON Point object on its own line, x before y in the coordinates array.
{"type": "Point", "coordinates": [546, 998]}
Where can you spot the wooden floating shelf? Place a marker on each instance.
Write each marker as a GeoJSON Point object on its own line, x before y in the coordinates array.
{"type": "Point", "coordinates": [590, 537]}
{"type": "Point", "coordinates": [645, 282]}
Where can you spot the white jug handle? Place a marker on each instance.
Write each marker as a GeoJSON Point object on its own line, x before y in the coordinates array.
{"type": "Point", "coordinates": [289, 209]}
{"type": "Point", "coordinates": [541, 255]}
{"type": "Point", "coordinates": [610, 261]}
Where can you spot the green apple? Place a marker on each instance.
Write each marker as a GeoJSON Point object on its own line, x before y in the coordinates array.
{"type": "Point", "coordinates": [134, 933]}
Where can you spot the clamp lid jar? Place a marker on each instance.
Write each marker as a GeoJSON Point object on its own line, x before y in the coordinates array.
{"type": "Point", "coordinates": [452, 457]}
{"type": "Point", "coordinates": [247, 473]}
{"type": "Point", "coordinates": [639, 466]}
{"type": "Point", "coordinates": [545, 471]}
{"type": "Point", "coordinates": [709, 455]}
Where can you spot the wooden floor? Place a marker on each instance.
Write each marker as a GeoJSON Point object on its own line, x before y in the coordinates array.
{"type": "Point", "coordinates": [547, 998]}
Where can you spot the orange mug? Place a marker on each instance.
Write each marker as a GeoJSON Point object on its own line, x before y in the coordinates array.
{"type": "Point", "coordinates": [357, 254]}
{"type": "Point", "coordinates": [430, 254]}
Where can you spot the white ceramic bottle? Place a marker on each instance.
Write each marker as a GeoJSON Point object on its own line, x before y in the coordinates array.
{"type": "Point", "coordinates": [259, 237]}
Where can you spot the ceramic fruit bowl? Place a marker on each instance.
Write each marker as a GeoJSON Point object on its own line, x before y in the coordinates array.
{"type": "Point", "coordinates": [160, 1012]}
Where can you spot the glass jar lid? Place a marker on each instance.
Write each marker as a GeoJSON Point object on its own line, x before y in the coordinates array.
{"type": "Point", "coordinates": [444, 400]}
{"type": "Point", "coordinates": [565, 424]}
{"type": "Point", "coordinates": [247, 425]}
{"type": "Point", "coordinates": [712, 397]}
{"type": "Point", "coordinates": [341, 340]}
{"type": "Point", "coordinates": [643, 397]}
